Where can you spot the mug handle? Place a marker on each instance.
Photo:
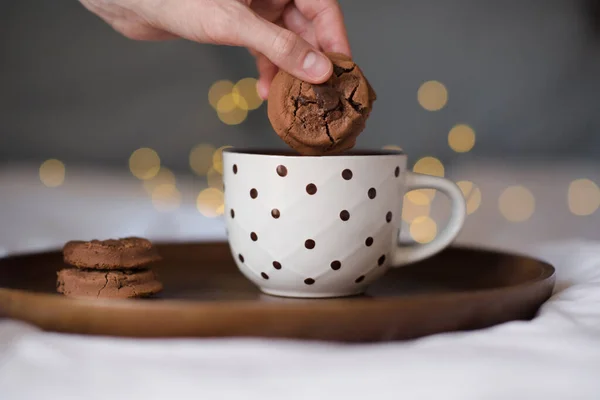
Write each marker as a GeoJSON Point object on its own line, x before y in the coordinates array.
{"type": "Point", "coordinates": [403, 255]}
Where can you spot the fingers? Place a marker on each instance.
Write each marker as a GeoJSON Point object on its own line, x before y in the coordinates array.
{"type": "Point", "coordinates": [328, 21]}
{"type": "Point", "coordinates": [296, 22]}
{"type": "Point", "coordinates": [284, 48]}
{"type": "Point", "coordinates": [266, 72]}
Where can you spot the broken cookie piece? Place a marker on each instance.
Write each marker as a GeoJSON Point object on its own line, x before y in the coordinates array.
{"type": "Point", "coordinates": [321, 119]}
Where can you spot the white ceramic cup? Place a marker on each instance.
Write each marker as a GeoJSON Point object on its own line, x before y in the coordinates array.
{"type": "Point", "coordinates": [328, 226]}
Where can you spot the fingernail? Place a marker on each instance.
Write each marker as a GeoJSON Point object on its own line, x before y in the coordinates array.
{"type": "Point", "coordinates": [263, 90]}
{"type": "Point", "coordinates": [316, 65]}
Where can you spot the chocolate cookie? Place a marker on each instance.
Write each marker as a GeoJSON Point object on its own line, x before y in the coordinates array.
{"type": "Point", "coordinates": [75, 282]}
{"type": "Point", "coordinates": [321, 119]}
{"type": "Point", "coordinates": [110, 254]}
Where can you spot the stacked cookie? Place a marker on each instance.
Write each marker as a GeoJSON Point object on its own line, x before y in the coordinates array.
{"type": "Point", "coordinates": [109, 269]}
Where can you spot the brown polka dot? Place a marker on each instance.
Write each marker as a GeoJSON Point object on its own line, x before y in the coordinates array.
{"type": "Point", "coordinates": [241, 257]}
{"type": "Point", "coordinates": [309, 244]}
{"type": "Point", "coordinates": [281, 170]}
{"type": "Point", "coordinates": [253, 193]}
{"type": "Point", "coordinates": [381, 260]}
{"type": "Point", "coordinates": [347, 174]}
{"type": "Point", "coordinates": [309, 281]}
{"type": "Point", "coordinates": [253, 236]}
{"type": "Point", "coordinates": [311, 188]}
{"type": "Point", "coordinates": [276, 265]}
{"type": "Point", "coordinates": [335, 265]}
{"type": "Point", "coordinates": [275, 213]}
{"type": "Point", "coordinates": [360, 279]}
{"type": "Point", "coordinates": [344, 215]}
{"type": "Point", "coordinates": [265, 276]}
{"type": "Point", "coordinates": [369, 241]}
{"type": "Point", "coordinates": [372, 193]}
{"type": "Point", "coordinates": [232, 213]}
{"type": "Point", "coordinates": [397, 172]}
{"type": "Point", "coordinates": [234, 168]}
{"type": "Point", "coordinates": [388, 217]}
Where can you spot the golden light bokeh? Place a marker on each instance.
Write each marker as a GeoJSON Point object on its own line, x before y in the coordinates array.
{"type": "Point", "coordinates": [218, 90]}
{"type": "Point", "coordinates": [52, 172]}
{"type": "Point", "coordinates": [229, 112]}
{"type": "Point", "coordinates": [166, 197]}
{"type": "Point", "coordinates": [245, 89]}
{"type": "Point", "coordinates": [217, 159]}
{"type": "Point", "coordinates": [472, 195]}
{"type": "Point", "coordinates": [423, 229]}
{"type": "Point", "coordinates": [144, 163]}
{"type": "Point", "coordinates": [164, 177]}
{"type": "Point", "coordinates": [214, 179]}
{"type": "Point", "coordinates": [516, 203]}
{"type": "Point", "coordinates": [392, 147]}
{"type": "Point", "coordinates": [201, 158]}
{"type": "Point", "coordinates": [432, 95]}
{"type": "Point", "coordinates": [583, 197]}
{"type": "Point", "coordinates": [210, 202]}
{"type": "Point", "coordinates": [413, 210]}
{"type": "Point", "coordinates": [461, 138]}
{"type": "Point", "coordinates": [428, 166]}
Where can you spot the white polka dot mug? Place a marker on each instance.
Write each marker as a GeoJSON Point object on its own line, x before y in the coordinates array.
{"type": "Point", "coordinates": [301, 226]}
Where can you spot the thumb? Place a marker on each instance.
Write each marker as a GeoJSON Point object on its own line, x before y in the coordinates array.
{"type": "Point", "coordinates": [285, 49]}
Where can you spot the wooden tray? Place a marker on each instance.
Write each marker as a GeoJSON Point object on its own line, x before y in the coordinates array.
{"type": "Point", "coordinates": [206, 296]}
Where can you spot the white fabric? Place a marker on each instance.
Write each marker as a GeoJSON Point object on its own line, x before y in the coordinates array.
{"type": "Point", "coordinates": [555, 356]}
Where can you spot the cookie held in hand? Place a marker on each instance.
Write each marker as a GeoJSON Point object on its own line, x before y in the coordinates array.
{"type": "Point", "coordinates": [110, 254]}
{"type": "Point", "coordinates": [321, 119]}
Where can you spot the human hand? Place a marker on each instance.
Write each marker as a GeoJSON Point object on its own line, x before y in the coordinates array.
{"type": "Point", "coordinates": [286, 34]}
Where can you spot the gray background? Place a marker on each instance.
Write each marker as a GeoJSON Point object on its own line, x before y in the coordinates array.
{"type": "Point", "coordinates": [524, 74]}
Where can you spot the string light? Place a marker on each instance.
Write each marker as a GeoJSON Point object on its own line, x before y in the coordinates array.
{"type": "Point", "coordinates": [583, 197]}
{"type": "Point", "coordinates": [210, 202]}
{"type": "Point", "coordinates": [472, 195]}
{"type": "Point", "coordinates": [423, 229]}
{"type": "Point", "coordinates": [427, 166]}
{"type": "Point", "coordinates": [166, 198]}
{"type": "Point", "coordinates": [144, 163]}
{"type": "Point", "coordinates": [217, 159]}
{"type": "Point", "coordinates": [164, 177]}
{"type": "Point", "coordinates": [432, 95]}
{"type": "Point", "coordinates": [246, 90]}
{"type": "Point", "coordinates": [52, 172]}
{"type": "Point", "coordinates": [461, 138]}
{"type": "Point", "coordinates": [413, 210]}
{"type": "Point", "coordinates": [201, 158]}
{"type": "Point", "coordinates": [214, 179]}
{"type": "Point", "coordinates": [228, 110]}
{"type": "Point", "coordinates": [516, 203]}
{"type": "Point", "coordinates": [218, 90]}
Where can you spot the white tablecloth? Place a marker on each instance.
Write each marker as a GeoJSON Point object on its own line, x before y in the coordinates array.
{"type": "Point", "coordinates": [555, 356]}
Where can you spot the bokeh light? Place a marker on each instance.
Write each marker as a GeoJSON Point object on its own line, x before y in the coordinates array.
{"type": "Point", "coordinates": [164, 177]}
{"type": "Point", "coordinates": [461, 138]}
{"type": "Point", "coordinates": [583, 197]}
{"type": "Point", "coordinates": [472, 195]}
{"type": "Point", "coordinates": [201, 158]}
{"type": "Point", "coordinates": [413, 210]}
{"type": "Point", "coordinates": [432, 95]}
{"type": "Point", "coordinates": [166, 198]}
{"type": "Point", "coordinates": [214, 179]}
{"type": "Point", "coordinates": [428, 166]}
{"type": "Point", "coordinates": [228, 110]}
{"type": "Point", "coordinates": [210, 202]}
{"type": "Point", "coordinates": [217, 159]}
{"type": "Point", "coordinates": [144, 163]}
{"type": "Point", "coordinates": [52, 172]}
{"type": "Point", "coordinates": [423, 229]}
{"type": "Point", "coordinates": [245, 94]}
{"type": "Point", "coordinates": [516, 203]}
{"type": "Point", "coordinates": [218, 90]}
{"type": "Point", "coordinates": [392, 147]}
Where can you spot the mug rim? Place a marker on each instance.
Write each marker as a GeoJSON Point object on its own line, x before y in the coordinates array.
{"type": "Point", "coordinates": [292, 154]}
